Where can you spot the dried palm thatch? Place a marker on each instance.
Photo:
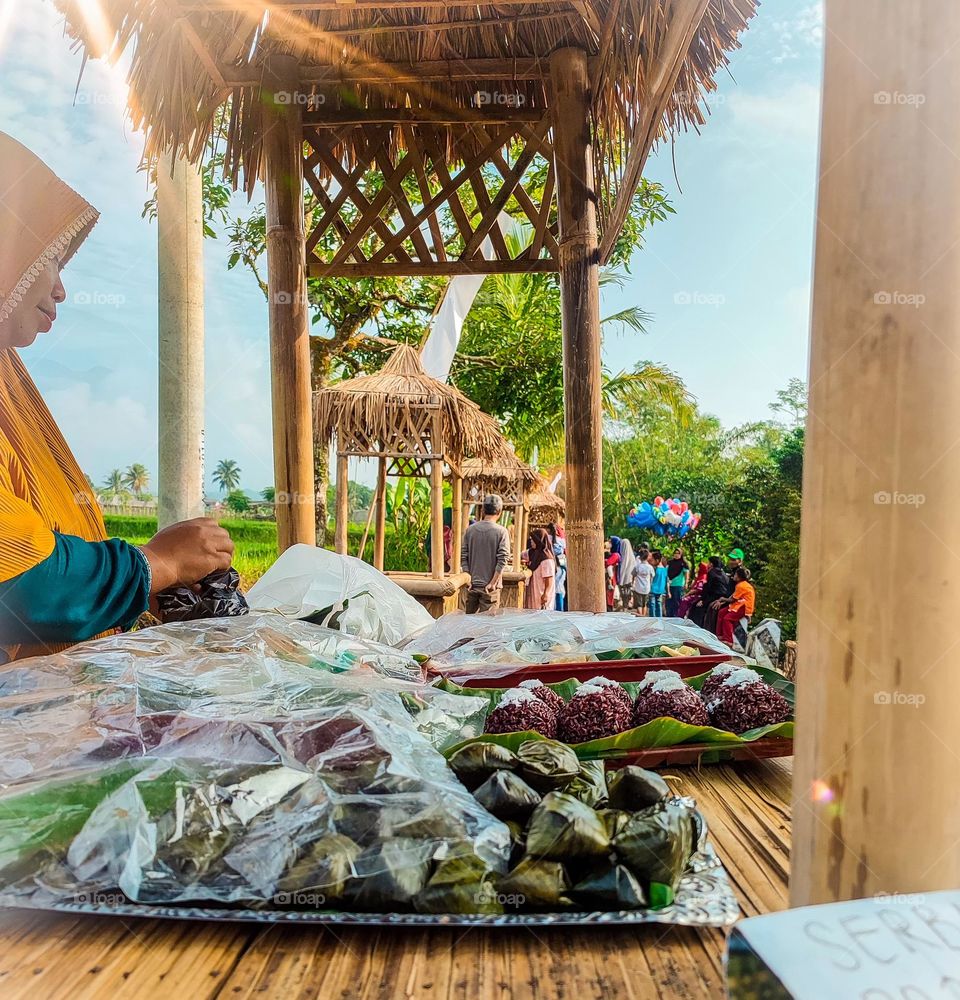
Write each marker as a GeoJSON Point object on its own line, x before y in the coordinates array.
{"type": "Point", "coordinates": [512, 479]}
{"type": "Point", "coordinates": [652, 64]}
{"type": "Point", "coordinates": [394, 411]}
{"type": "Point", "coordinates": [545, 507]}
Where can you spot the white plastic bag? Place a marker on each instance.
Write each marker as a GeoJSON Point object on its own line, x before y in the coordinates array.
{"type": "Point", "coordinates": [338, 591]}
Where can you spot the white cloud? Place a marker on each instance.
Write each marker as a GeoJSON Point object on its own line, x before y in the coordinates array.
{"type": "Point", "coordinates": [800, 32]}
{"type": "Point", "coordinates": [792, 113]}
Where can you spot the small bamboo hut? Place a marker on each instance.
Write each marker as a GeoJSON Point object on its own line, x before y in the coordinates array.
{"type": "Point", "coordinates": [512, 481]}
{"type": "Point", "coordinates": [545, 506]}
{"type": "Point", "coordinates": [412, 425]}
{"type": "Point", "coordinates": [455, 100]}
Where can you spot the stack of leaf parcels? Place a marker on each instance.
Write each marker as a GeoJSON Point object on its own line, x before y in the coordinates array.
{"type": "Point", "coordinates": [579, 840]}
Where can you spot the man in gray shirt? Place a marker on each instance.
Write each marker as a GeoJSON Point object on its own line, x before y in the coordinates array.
{"type": "Point", "coordinates": [484, 555]}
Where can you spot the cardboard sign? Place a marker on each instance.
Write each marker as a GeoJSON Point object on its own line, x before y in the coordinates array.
{"type": "Point", "coordinates": [902, 947]}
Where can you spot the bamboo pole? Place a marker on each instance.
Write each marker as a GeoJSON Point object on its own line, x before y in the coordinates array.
{"type": "Point", "coordinates": [876, 808]}
{"type": "Point", "coordinates": [343, 505]}
{"type": "Point", "coordinates": [436, 515]}
{"type": "Point", "coordinates": [518, 518]}
{"type": "Point", "coordinates": [380, 528]}
{"type": "Point", "coordinates": [457, 511]}
{"type": "Point", "coordinates": [289, 322]}
{"type": "Point", "coordinates": [180, 341]}
{"type": "Point", "coordinates": [580, 304]}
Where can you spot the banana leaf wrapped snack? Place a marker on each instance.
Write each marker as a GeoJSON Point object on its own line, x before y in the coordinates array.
{"type": "Point", "coordinates": [564, 829]}
{"type": "Point", "coordinates": [535, 883]}
{"type": "Point", "coordinates": [476, 762]}
{"type": "Point", "coordinates": [613, 888]}
{"type": "Point", "coordinates": [507, 796]}
{"type": "Point", "coordinates": [657, 842]}
{"type": "Point", "coordinates": [590, 785]}
{"type": "Point", "coordinates": [547, 765]}
{"type": "Point", "coordinates": [460, 885]}
{"type": "Point", "coordinates": [635, 788]}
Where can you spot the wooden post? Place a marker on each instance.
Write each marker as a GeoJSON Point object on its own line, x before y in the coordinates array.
{"type": "Point", "coordinates": [180, 341]}
{"type": "Point", "coordinates": [289, 320]}
{"type": "Point", "coordinates": [436, 516]}
{"type": "Point", "coordinates": [457, 509]}
{"type": "Point", "coordinates": [340, 537]}
{"type": "Point", "coordinates": [518, 518]}
{"type": "Point", "coordinates": [580, 304]}
{"type": "Point", "coordinates": [380, 527]}
{"type": "Point", "coordinates": [875, 803]}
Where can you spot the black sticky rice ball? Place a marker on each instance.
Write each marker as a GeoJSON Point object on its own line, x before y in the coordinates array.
{"type": "Point", "coordinates": [613, 689]}
{"type": "Point", "coordinates": [748, 704]}
{"type": "Point", "coordinates": [663, 693]}
{"type": "Point", "coordinates": [520, 711]}
{"type": "Point", "coordinates": [592, 713]}
{"type": "Point", "coordinates": [544, 693]}
{"type": "Point", "coordinates": [715, 678]}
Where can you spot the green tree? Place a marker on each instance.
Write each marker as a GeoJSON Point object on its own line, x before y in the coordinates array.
{"type": "Point", "coordinates": [238, 501]}
{"type": "Point", "coordinates": [114, 488]}
{"type": "Point", "coordinates": [269, 493]}
{"type": "Point", "coordinates": [227, 475]}
{"type": "Point", "coordinates": [137, 479]}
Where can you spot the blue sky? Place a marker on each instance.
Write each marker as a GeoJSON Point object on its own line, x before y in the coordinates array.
{"type": "Point", "coordinates": [727, 278]}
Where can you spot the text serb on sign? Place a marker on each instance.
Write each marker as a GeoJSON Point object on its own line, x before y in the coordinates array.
{"type": "Point", "coordinates": [902, 947]}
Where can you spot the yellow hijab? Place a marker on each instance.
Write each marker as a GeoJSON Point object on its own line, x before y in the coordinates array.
{"type": "Point", "coordinates": [42, 489]}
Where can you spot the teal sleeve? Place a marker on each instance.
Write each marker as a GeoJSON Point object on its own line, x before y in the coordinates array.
{"type": "Point", "coordinates": [80, 590]}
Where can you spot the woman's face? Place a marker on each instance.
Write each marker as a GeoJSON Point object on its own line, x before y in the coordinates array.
{"type": "Point", "coordinates": [37, 311]}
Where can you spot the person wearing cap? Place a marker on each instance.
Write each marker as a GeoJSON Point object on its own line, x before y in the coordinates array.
{"type": "Point", "coordinates": [484, 555]}
{"type": "Point", "coordinates": [734, 562]}
{"type": "Point", "coordinates": [61, 579]}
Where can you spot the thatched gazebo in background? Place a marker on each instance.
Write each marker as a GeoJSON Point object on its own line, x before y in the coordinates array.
{"type": "Point", "coordinates": [512, 480]}
{"type": "Point", "coordinates": [413, 425]}
{"type": "Point", "coordinates": [545, 507]}
{"type": "Point", "coordinates": [546, 110]}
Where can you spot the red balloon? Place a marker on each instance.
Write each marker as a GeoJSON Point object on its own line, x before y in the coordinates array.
{"type": "Point", "coordinates": [658, 502]}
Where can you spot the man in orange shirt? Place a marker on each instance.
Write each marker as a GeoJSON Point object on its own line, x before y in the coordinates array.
{"type": "Point", "coordinates": [738, 608]}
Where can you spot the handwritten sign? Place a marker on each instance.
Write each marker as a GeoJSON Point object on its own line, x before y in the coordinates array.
{"type": "Point", "coordinates": [898, 947]}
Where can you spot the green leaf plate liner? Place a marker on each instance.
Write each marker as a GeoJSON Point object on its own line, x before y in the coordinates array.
{"type": "Point", "coordinates": [664, 732]}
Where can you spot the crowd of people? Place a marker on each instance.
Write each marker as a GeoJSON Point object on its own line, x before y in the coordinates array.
{"type": "Point", "coordinates": [719, 599]}
{"type": "Point", "coordinates": [648, 582]}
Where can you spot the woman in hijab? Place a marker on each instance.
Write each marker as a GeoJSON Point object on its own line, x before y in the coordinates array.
{"type": "Point", "coordinates": [540, 594]}
{"type": "Point", "coordinates": [628, 561]}
{"type": "Point", "coordinates": [61, 579]}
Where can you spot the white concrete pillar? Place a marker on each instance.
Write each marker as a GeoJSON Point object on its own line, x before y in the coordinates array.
{"type": "Point", "coordinates": [180, 295]}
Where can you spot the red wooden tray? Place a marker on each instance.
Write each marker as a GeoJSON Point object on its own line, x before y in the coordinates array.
{"type": "Point", "coordinates": [584, 670]}
{"type": "Point", "coordinates": [693, 753]}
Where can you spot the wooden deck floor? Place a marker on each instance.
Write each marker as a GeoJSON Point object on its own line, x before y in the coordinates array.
{"type": "Point", "coordinates": [747, 806]}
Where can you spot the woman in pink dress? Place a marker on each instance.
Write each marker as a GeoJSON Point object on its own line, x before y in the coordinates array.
{"type": "Point", "coordinates": [541, 590]}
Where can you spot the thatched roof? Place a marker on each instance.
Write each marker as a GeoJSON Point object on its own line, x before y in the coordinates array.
{"type": "Point", "coordinates": [512, 470]}
{"type": "Point", "coordinates": [652, 64]}
{"type": "Point", "coordinates": [545, 506]}
{"type": "Point", "coordinates": [394, 407]}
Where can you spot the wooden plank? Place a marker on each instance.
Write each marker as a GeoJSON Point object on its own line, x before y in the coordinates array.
{"type": "Point", "coordinates": [342, 522]}
{"type": "Point", "coordinates": [449, 268]}
{"type": "Point", "coordinates": [380, 527]}
{"type": "Point", "coordinates": [423, 183]}
{"type": "Point", "coordinates": [289, 321]}
{"type": "Point", "coordinates": [877, 732]}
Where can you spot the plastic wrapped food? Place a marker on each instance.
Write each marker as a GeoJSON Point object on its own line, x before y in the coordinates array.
{"type": "Point", "coordinates": [547, 765]}
{"type": "Point", "coordinates": [507, 796]}
{"type": "Point", "coordinates": [218, 595]}
{"type": "Point", "coordinates": [657, 842]}
{"type": "Point", "coordinates": [563, 828]}
{"type": "Point", "coordinates": [232, 761]}
{"type": "Point", "coordinates": [340, 592]}
{"type": "Point", "coordinates": [498, 642]}
{"type": "Point", "coordinates": [476, 762]}
{"type": "Point", "coordinates": [634, 788]}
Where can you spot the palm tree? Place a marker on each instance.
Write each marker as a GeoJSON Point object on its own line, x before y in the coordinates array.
{"type": "Point", "coordinates": [136, 478]}
{"type": "Point", "coordinates": [227, 475]}
{"type": "Point", "coordinates": [269, 493]}
{"type": "Point", "coordinates": [114, 488]}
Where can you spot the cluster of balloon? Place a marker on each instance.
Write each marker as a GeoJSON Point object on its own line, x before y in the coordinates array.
{"type": "Point", "coordinates": [664, 517]}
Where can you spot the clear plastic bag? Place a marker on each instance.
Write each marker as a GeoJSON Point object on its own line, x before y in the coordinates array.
{"type": "Point", "coordinates": [500, 641]}
{"type": "Point", "coordinates": [339, 591]}
{"type": "Point", "coordinates": [232, 761]}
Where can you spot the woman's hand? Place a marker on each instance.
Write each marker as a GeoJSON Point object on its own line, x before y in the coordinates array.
{"type": "Point", "coordinates": [186, 552]}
